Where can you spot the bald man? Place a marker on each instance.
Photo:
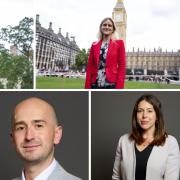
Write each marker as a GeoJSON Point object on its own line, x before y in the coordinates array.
{"type": "Point", "coordinates": [35, 132]}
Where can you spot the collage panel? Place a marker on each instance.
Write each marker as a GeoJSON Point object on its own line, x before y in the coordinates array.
{"type": "Point", "coordinates": [28, 136]}
{"type": "Point", "coordinates": [17, 44]}
{"type": "Point", "coordinates": [116, 46]}
{"type": "Point", "coordinates": [118, 114]}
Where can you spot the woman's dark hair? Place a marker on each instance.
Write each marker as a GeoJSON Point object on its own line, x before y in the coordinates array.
{"type": "Point", "coordinates": [160, 133]}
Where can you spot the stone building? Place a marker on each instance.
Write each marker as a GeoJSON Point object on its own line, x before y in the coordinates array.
{"type": "Point", "coordinates": [54, 52]}
{"type": "Point", "coordinates": [153, 63]}
{"type": "Point", "coordinates": [144, 62]}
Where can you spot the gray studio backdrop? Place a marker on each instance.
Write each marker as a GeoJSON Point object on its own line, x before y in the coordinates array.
{"type": "Point", "coordinates": [111, 118]}
{"type": "Point", "coordinates": [72, 111]}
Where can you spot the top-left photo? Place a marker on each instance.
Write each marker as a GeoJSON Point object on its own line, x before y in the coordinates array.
{"type": "Point", "coordinates": [16, 44]}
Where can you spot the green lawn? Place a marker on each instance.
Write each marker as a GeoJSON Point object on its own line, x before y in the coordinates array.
{"type": "Point", "coordinates": [148, 85]}
{"type": "Point", "coordinates": [71, 83]}
{"type": "Point", "coordinates": [59, 83]}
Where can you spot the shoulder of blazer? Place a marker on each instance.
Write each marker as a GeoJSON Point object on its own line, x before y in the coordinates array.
{"type": "Point", "coordinates": [119, 42]}
{"type": "Point", "coordinates": [60, 173]}
{"type": "Point", "coordinates": [170, 140]}
{"type": "Point", "coordinates": [96, 43]}
{"type": "Point", "coordinates": [124, 138]}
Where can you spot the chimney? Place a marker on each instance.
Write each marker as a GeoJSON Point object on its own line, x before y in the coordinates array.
{"type": "Point", "coordinates": [73, 38]}
{"type": "Point", "coordinates": [37, 19]}
{"type": "Point", "coordinates": [59, 31]}
{"type": "Point", "coordinates": [50, 25]}
{"type": "Point", "coordinates": [67, 35]}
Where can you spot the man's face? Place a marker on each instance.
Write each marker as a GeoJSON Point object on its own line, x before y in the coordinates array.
{"type": "Point", "coordinates": [35, 131]}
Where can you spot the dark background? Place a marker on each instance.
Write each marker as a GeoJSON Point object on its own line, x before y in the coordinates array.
{"type": "Point", "coordinates": [111, 118]}
{"type": "Point", "coordinates": [72, 111]}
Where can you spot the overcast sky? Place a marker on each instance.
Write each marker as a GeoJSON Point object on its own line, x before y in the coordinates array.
{"type": "Point", "coordinates": [13, 11]}
{"type": "Point", "coordinates": [150, 23]}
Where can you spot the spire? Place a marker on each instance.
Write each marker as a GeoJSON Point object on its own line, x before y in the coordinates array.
{"type": "Point", "coordinates": [119, 4]}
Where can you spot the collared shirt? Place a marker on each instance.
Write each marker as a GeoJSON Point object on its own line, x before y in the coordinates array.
{"type": "Point", "coordinates": [44, 174]}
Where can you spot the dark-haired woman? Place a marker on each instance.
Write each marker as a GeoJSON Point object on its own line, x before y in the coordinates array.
{"type": "Point", "coordinates": [148, 153]}
{"type": "Point", "coordinates": [106, 62]}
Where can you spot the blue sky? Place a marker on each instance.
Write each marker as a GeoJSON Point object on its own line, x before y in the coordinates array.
{"type": "Point", "coordinates": [151, 24]}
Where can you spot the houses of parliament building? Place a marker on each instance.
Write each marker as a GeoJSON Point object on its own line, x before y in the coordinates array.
{"type": "Point", "coordinates": [144, 62]}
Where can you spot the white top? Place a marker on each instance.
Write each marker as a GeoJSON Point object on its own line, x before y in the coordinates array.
{"type": "Point", "coordinates": [44, 174]}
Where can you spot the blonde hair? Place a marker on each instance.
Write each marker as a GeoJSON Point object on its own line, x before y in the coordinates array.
{"type": "Point", "coordinates": [114, 34]}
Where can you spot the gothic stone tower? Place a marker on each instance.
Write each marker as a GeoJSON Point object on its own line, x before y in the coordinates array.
{"type": "Point", "coordinates": [120, 18]}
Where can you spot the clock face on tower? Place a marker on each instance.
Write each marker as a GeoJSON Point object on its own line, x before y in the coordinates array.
{"type": "Point", "coordinates": [118, 17]}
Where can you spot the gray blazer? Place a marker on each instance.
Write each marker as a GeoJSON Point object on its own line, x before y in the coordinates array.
{"type": "Point", "coordinates": [58, 174]}
{"type": "Point", "coordinates": [163, 162]}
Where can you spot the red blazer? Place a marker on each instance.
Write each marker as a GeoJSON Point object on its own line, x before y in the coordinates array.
{"type": "Point", "coordinates": [115, 63]}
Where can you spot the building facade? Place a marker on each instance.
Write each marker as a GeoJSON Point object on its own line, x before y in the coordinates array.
{"type": "Point", "coordinates": [145, 62]}
{"type": "Point", "coordinates": [54, 52]}
{"type": "Point", "coordinates": [153, 63]}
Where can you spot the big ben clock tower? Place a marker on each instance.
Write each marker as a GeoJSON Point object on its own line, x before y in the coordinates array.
{"type": "Point", "coordinates": [120, 19]}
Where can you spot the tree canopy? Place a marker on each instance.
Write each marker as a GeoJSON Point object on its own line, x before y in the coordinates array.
{"type": "Point", "coordinates": [17, 70]}
{"type": "Point", "coordinates": [20, 36]}
{"type": "Point", "coordinates": [81, 59]}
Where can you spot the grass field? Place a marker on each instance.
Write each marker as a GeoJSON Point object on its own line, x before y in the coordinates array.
{"type": "Point", "coordinates": [149, 85]}
{"type": "Point", "coordinates": [59, 83]}
{"type": "Point", "coordinates": [71, 83]}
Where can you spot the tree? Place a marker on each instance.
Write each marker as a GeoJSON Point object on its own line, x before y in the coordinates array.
{"type": "Point", "coordinates": [17, 70]}
{"type": "Point", "coordinates": [3, 49]}
{"type": "Point", "coordinates": [81, 59]}
{"type": "Point", "coordinates": [20, 36]}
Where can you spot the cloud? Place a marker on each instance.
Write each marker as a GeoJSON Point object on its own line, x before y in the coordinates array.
{"type": "Point", "coordinates": [14, 11]}
{"type": "Point", "coordinates": [149, 23]}
{"type": "Point", "coordinates": [164, 8]}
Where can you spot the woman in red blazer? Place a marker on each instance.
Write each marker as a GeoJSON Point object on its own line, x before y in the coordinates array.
{"type": "Point", "coordinates": [106, 63]}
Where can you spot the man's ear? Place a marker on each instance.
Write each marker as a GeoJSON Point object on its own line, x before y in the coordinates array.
{"type": "Point", "coordinates": [58, 134]}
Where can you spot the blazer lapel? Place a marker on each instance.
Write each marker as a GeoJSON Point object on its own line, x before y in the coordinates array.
{"type": "Point", "coordinates": [97, 51]}
{"type": "Point", "coordinates": [110, 48]}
